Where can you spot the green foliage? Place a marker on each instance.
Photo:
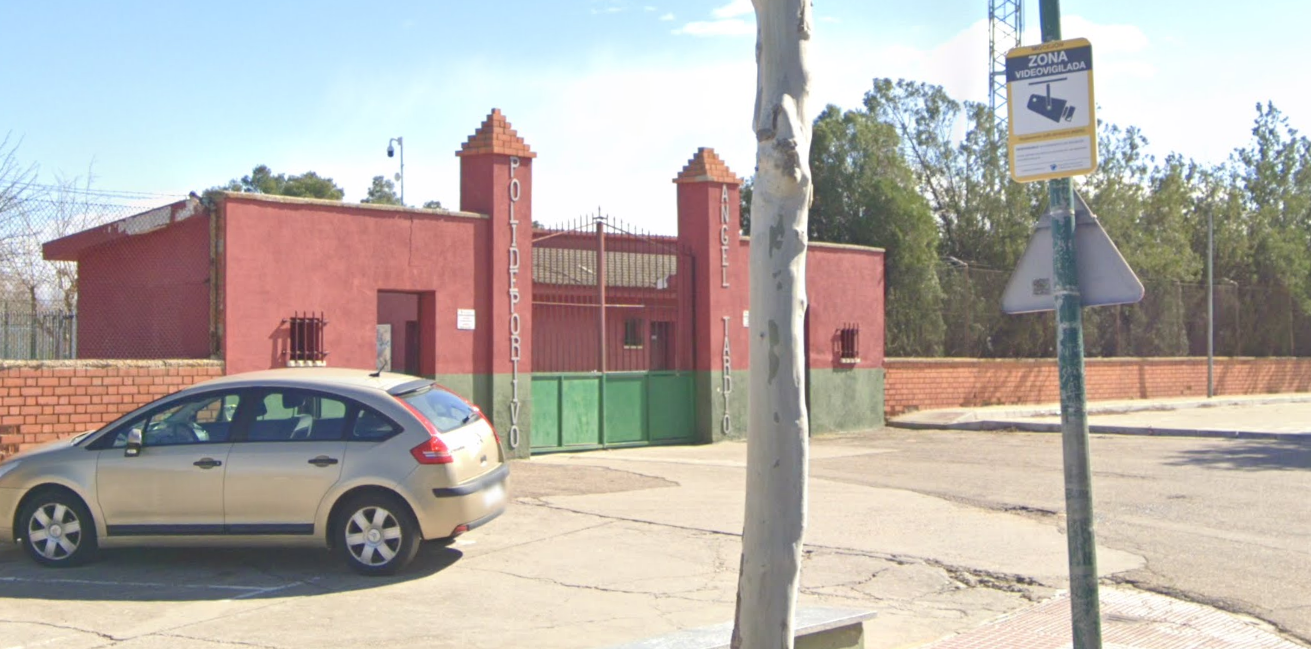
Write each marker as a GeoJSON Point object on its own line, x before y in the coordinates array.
{"type": "Point", "coordinates": [914, 156]}
{"type": "Point", "coordinates": [382, 192]}
{"type": "Point", "coordinates": [745, 195]}
{"type": "Point", "coordinates": [864, 194]}
{"type": "Point", "coordinates": [432, 205]}
{"type": "Point", "coordinates": [262, 180]}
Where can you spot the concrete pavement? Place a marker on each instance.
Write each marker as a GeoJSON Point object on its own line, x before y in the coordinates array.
{"type": "Point", "coordinates": [597, 549]}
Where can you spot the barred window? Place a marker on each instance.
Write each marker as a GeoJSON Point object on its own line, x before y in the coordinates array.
{"type": "Point", "coordinates": [849, 343]}
{"type": "Point", "coordinates": [305, 344]}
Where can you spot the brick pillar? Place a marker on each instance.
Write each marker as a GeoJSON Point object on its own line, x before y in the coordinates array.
{"type": "Point", "coordinates": [709, 225]}
{"type": "Point", "coordinates": [496, 179]}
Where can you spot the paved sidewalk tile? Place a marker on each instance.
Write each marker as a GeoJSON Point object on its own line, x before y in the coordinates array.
{"type": "Point", "coordinates": [1130, 620]}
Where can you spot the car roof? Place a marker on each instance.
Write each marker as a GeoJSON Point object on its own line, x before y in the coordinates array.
{"type": "Point", "coordinates": [311, 377]}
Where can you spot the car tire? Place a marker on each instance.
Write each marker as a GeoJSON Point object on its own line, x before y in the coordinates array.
{"type": "Point", "coordinates": [44, 524]}
{"type": "Point", "coordinates": [376, 535]}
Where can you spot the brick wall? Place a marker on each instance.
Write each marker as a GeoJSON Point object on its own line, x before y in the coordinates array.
{"type": "Point", "coordinates": [44, 400]}
{"type": "Point", "coordinates": [926, 384]}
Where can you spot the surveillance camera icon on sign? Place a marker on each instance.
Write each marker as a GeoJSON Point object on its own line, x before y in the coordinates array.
{"type": "Point", "coordinates": [1052, 108]}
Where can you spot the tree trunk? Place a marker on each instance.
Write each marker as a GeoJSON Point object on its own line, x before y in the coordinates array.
{"type": "Point", "coordinates": [777, 424]}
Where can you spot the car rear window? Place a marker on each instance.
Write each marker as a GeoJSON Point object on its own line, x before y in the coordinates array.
{"type": "Point", "coordinates": [445, 410]}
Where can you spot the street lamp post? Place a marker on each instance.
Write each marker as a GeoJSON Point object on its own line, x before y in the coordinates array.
{"type": "Point", "coordinates": [400, 142]}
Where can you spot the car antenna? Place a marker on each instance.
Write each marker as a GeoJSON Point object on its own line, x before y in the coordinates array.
{"type": "Point", "coordinates": [381, 365]}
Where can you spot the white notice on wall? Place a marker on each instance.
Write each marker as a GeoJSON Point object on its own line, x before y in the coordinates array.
{"type": "Point", "coordinates": [746, 318]}
{"type": "Point", "coordinates": [464, 319]}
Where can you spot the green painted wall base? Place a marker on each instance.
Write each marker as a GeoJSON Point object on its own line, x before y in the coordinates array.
{"type": "Point", "coordinates": [846, 400]}
{"type": "Point", "coordinates": [840, 400]}
{"type": "Point", "coordinates": [711, 406]}
{"type": "Point", "coordinates": [655, 408]}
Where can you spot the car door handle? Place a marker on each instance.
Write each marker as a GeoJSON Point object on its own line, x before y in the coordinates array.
{"type": "Point", "coordinates": [208, 463]}
{"type": "Point", "coordinates": [323, 461]}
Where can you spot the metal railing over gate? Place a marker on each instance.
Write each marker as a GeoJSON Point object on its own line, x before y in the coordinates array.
{"type": "Point", "coordinates": [598, 275]}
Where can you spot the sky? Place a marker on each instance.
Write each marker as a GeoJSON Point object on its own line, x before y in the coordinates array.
{"type": "Point", "coordinates": [615, 96]}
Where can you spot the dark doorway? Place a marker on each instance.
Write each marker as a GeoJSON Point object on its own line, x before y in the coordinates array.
{"type": "Point", "coordinates": [662, 346]}
{"type": "Point", "coordinates": [400, 343]}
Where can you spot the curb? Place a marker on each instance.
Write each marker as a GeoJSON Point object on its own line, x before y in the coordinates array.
{"type": "Point", "coordinates": [1099, 429]}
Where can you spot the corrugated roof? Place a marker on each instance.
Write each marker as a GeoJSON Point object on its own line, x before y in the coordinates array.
{"type": "Point", "coordinates": [573, 267]}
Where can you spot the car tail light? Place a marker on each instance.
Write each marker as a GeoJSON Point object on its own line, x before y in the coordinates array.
{"type": "Point", "coordinates": [459, 529]}
{"type": "Point", "coordinates": [433, 451]}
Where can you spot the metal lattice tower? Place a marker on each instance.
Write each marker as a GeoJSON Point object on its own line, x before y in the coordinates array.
{"type": "Point", "coordinates": [1005, 24]}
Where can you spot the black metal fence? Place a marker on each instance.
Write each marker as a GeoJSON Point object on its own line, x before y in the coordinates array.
{"type": "Point", "coordinates": [28, 335]}
{"type": "Point", "coordinates": [1170, 321]}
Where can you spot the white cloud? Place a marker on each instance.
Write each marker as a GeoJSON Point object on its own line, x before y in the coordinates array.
{"type": "Point", "coordinates": [729, 27]}
{"type": "Point", "coordinates": [734, 9]}
{"type": "Point", "coordinates": [607, 10]}
{"type": "Point", "coordinates": [648, 8]}
{"type": "Point", "coordinates": [667, 17]}
{"type": "Point", "coordinates": [614, 132]}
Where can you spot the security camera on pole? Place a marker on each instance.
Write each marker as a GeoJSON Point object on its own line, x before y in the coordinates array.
{"type": "Point", "coordinates": [1070, 263]}
{"type": "Point", "coordinates": [391, 153]}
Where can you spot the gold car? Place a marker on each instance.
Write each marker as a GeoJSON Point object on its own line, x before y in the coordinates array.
{"type": "Point", "coordinates": [369, 464]}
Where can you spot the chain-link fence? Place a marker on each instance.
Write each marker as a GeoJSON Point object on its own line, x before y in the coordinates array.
{"type": "Point", "coordinates": [39, 318]}
{"type": "Point", "coordinates": [1169, 321]}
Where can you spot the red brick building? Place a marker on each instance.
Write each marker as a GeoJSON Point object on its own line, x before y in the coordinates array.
{"type": "Point", "coordinates": [586, 336]}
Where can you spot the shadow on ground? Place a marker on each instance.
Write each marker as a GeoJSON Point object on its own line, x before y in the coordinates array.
{"type": "Point", "coordinates": [1252, 455]}
{"type": "Point", "coordinates": [540, 480]}
{"type": "Point", "coordinates": [202, 574]}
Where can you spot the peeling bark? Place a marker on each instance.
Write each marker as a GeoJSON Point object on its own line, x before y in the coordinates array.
{"type": "Point", "coordinates": [777, 425]}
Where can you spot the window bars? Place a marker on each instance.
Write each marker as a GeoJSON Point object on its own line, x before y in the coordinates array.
{"type": "Point", "coordinates": [849, 343]}
{"type": "Point", "coordinates": [305, 346]}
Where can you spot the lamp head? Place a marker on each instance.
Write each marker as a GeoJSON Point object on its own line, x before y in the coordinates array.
{"type": "Point", "coordinates": [391, 153]}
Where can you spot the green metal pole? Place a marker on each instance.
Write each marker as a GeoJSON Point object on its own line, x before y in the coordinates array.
{"type": "Point", "coordinates": [1085, 609]}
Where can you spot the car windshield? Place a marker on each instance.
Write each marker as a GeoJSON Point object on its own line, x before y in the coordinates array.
{"type": "Point", "coordinates": [445, 410]}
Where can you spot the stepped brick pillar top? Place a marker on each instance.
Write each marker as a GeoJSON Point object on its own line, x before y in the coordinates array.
{"type": "Point", "coordinates": [709, 227]}
{"type": "Point", "coordinates": [706, 166]}
{"type": "Point", "coordinates": [496, 179]}
{"type": "Point", "coordinates": [496, 136]}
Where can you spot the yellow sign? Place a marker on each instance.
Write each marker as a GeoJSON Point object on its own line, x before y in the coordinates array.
{"type": "Point", "coordinates": [1050, 109]}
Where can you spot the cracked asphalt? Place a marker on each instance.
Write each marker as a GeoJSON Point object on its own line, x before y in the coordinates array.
{"type": "Point", "coordinates": [937, 532]}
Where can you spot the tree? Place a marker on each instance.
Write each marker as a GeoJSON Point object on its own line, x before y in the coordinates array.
{"type": "Point", "coordinates": [864, 195]}
{"type": "Point", "coordinates": [382, 192]}
{"type": "Point", "coordinates": [433, 205]}
{"type": "Point", "coordinates": [983, 219]}
{"type": "Point", "coordinates": [16, 179]}
{"type": "Point", "coordinates": [262, 180]}
{"type": "Point", "coordinates": [777, 426]}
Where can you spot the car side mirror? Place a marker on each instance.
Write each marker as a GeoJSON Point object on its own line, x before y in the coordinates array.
{"type": "Point", "coordinates": [133, 448]}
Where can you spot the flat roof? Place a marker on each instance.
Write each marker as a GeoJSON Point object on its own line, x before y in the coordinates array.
{"type": "Point", "coordinates": [71, 247]}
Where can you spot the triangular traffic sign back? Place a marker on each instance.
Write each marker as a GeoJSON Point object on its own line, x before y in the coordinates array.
{"type": "Point", "coordinates": [1104, 276]}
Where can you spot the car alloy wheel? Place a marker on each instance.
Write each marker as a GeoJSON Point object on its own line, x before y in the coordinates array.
{"type": "Point", "coordinates": [377, 535]}
{"type": "Point", "coordinates": [54, 531]}
{"type": "Point", "coordinates": [57, 530]}
{"type": "Point", "coordinates": [374, 536]}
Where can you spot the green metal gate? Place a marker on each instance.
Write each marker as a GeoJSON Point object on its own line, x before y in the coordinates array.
{"type": "Point", "coordinates": [612, 319]}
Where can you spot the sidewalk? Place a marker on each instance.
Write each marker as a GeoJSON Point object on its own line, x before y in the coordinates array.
{"type": "Point", "coordinates": [1130, 620]}
{"type": "Point", "coordinates": [1272, 416]}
